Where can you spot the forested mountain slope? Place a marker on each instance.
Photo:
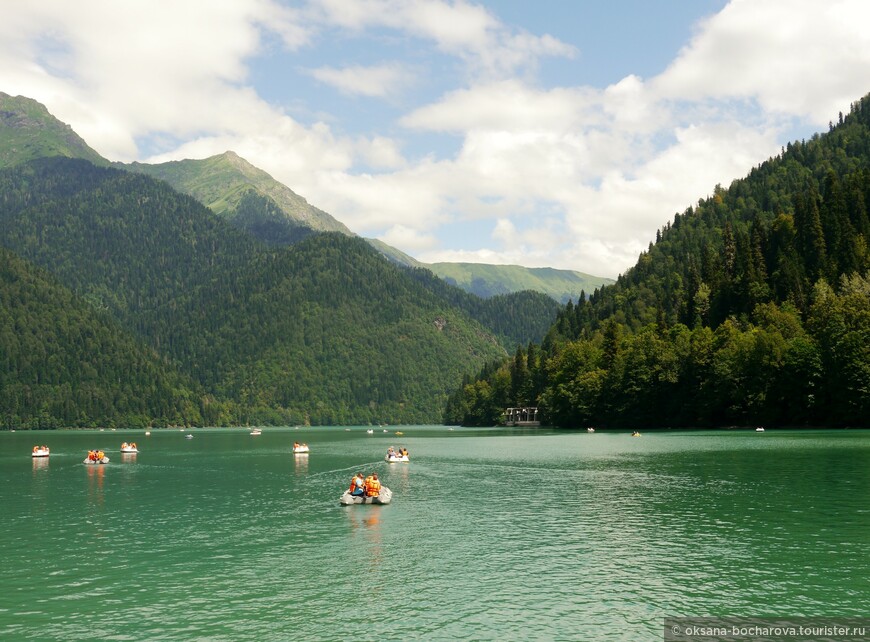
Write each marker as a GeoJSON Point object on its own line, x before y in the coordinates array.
{"type": "Point", "coordinates": [751, 307]}
{"type": "Point", "coordinates": [64, 363]}
{"type": "Point", "coordinates": [325, 331]}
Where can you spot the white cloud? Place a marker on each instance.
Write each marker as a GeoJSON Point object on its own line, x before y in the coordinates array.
{"type": "Point", "coordinates": [463, 29]}
{"type": "Point", "coordinates": [575, 177]}
{"type": "Point", "coordinates": [380, 80]}
{"type": "Point", "coordinates": [798, 57]}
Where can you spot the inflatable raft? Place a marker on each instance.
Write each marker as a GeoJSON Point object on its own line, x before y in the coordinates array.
{"type": "Point", "coordinates": [384, 498]}
{"type": "Point", "coordinates": [397, 459]}
{"type": "Point", "coordinates": [40, 451]}
{"type": "Point", "coordinates": [91, 462]}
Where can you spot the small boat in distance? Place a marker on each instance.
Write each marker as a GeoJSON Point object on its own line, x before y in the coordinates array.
{"type": "Point", "coordinates": [394, 456]}
{"type": "Point", "coordinates": [759, 429]}
{"type": "Point", "coordinates": [256, 431]}
{"type": "Point", "coordinates": [300, 449]}
{"type": "Point", "coordinates": [590, 429]}
{"type": "Point", "coordinates": [129, 448]}
{"type": "Point", "coordinates": [40, 451]}
{"type": "Point", "coordinates": [635, 434]}
{"type": "Point", "coordinates": [188, 436]}
{"type": "Point", "coordinates": [96, 457]}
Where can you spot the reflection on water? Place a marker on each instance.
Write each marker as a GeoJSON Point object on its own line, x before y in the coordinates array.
{"type": "Point", "coordinates": [96, 473]}
{"type": "Point", "coordinates": [40, 463]}
{"type": "Point", "coordinates": [300, 461]}
{"type": "Point", "coordinates": [128, 458]}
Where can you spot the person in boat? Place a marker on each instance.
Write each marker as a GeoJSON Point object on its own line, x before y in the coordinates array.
{"type": "Point", "coordinates": [100, 455]}
{"type": "Point", "coordinates": [391, 452]}
{"type": "Point", "coordinates": [372, 485]}
{"type": "Point", "coordinates": [404, 452]}
{"type": "Point", "coordinates": [124, 445]}
{"type": "Point", "coordinates": [92, 455]}
{"type": "Point", "coordinates": [357, 485]}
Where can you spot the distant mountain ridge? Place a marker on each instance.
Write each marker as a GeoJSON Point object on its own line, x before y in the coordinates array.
{"type": "Point", "coordinates": [253, 201]}
{"type": "Point", "coordinates": [487, 280]}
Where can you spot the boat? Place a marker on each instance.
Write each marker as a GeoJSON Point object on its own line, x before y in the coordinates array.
{"type": "Point", "coordinates": [396, 459]}
{"type": "Point", "coordinates": [147, 433]}
{"type": "Point", "coordinates": [635, 434]}
{"type": "Point", "coordinates": [590, 430]}
{"type": "Point", "coordinates": [370, 431]}
{"type": "Point", "coordinates": [96, 457]}
{"type": "Point", "coordinates": [256, 431]}
{"type": "Point", "coordinates": [40, 451]}
{"type": "Point", "coordinates": [188, 436]}
{"type": "Point", "coordinates": [759, 429]}
{"type": "Point", "coordinates": [383, 498]}
{"type": "Point", "coordinates": [301, 449]}
{"type": "Point", "coordinates": [129, 448]}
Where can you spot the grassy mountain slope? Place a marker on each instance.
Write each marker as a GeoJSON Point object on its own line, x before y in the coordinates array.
{"type": "Point", "coordinates": [489, 280]}
{"type": "Point", "coordinates": [245, 195]}
{"type": "Point", "coordinates": [64, 363]}
{"type": "Point", "coordinates": [28, 131]}
{"type": "Point", "coordinates": [325, 330]}
{"type": "Point", "coordinates": [486, 280]}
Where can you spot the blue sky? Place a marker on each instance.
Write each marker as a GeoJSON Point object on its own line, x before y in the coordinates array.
{"type": "Point", "coordinates": [553, 133]}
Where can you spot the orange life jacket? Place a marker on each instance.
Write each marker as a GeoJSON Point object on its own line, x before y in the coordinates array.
{"type": "Point", "coordinates": [373, 487]}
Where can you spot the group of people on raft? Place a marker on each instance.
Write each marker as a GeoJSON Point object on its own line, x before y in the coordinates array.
{"type": "Point", "coordinates": [96, 455]}
{"type": "Point", "coordinates": [37, 449]}
{"type": "Point", "coordinates": [365, 486]}
{"type": "Point", "coordinates": [125, 445]}
{"type": "Point", "coordinates": [401, 452]}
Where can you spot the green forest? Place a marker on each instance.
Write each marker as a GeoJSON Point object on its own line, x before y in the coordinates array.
{"type": "Point", "coordinates": [751, 308]}
{"type": "Point", "coordinates": [173, 316]}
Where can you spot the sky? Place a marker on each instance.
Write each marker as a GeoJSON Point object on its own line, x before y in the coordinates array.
{"type": "Point", "coordinates": [555, 133]}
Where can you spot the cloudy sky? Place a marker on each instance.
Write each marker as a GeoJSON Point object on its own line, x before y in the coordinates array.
{"type": "Point", "coordinates": [551, 133]}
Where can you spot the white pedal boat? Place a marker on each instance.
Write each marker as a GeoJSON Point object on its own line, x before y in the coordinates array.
{"type": "Point", "coordinates": [40, 452]}
{"type": "Point", "coordinates": [384, 498]}
{"type": "Point", "coordinates": [91, 462]}
{"type": "Point", "coordinates": [301, 450]}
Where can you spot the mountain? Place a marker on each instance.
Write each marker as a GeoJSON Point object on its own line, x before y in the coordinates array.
{"type": "Point", "coordinates": [751, 308]}
{"type": "Point", "coordinates": [246, 196]}
{"type": "Point", "coordinates": [28, 131]}
{"type": "Point", "coordinates": [487, 280]}
{"type": "Point", "coordinates": [253, 201]}
{"type": "Point", "coordinates": [65, 363]}
{"type": "Point", "coordinates": [490, 280]}
{"type": "Point", "coordinates": [324, 331]}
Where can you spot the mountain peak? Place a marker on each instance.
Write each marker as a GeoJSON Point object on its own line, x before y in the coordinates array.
{"type": "Point", "coordinates": [28, 131]}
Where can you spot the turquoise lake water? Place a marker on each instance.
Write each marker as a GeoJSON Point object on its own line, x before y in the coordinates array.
{"type": "Point", "coordinates": [492, 534]}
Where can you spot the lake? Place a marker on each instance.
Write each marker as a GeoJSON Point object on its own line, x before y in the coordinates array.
{"type": "Point", "coordinates": [492, 534]}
